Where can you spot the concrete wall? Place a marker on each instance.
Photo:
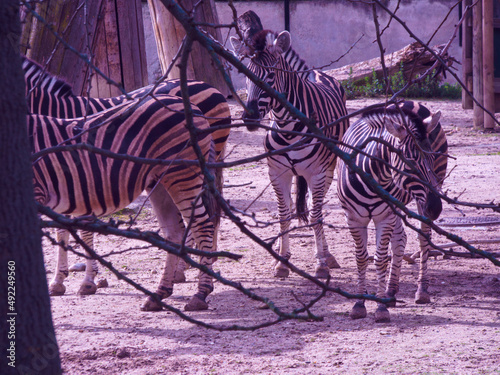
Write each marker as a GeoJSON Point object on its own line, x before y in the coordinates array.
{"type": "Point", "coordinates": [322, 31]}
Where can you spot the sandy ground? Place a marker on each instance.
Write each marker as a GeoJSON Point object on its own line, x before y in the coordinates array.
{"type": "Point", "coordinates": [457, 333]}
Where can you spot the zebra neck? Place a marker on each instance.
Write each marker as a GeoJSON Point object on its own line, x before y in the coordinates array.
{"type": "Point", "coordinates": [296, 64]}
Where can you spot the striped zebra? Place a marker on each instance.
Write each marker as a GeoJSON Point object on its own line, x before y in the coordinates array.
{"type": "Point", "coordinates": [50, 96]}
{"type": "Point", "coordinates": [80, 183]}
{"type": "Point", "coordinates": [403, 163]}
{"type": "Point", "coordinates": [318, 96]}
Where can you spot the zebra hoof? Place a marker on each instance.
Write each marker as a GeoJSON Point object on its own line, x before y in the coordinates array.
{"type": "Point", "coordinates": [87, 289]}
{"type": "Point", "coordinates": [382, 315]}
{"type": "Point", "coordinates": [422, 297]}
{"type": "Point", "coordinates": [57, 289]}
{"type": "Point", "coordinates": [358, 311]}
{"type": "Point", "coordinates": [281, 272]}
{"type": "Point", "coordinates": [102, 283]}
{"type": "Point", "coordinates": [390, 294]}
{"type": "Point", "coordinates": [322, 273]}
{"type": "Point", "coordinates": [331, 262]}
{"type": "Point", "coordinates": [196, 304]}
{"type": "Point", "coordinates": [151, 305]}
{"type": "Point", "coordinates": [179, 277]}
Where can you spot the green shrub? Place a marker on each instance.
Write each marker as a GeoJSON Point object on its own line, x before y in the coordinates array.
{"type": "Point", "coordinates": [428, 88]}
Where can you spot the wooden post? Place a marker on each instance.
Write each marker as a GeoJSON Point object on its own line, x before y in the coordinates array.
{"type": "Point", "coordinates": [467, 102]}
{"type": "Point", "coordinates": [111, 31]}
{"type": "Point", "coordinates": [169, 34]}
{"type": "Point", "coordinates": [477, 63]}
{"type": "Point", "coordinates": [488, 64]}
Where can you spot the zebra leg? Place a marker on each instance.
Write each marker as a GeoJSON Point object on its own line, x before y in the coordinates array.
{"type": "Point", "coordinates": [282, 184]}
{"type": "Point", "coordinates": [422, 295]}
{"type": "Point", "coordinates": [359, 232]}
{"type": "Point", "coordinates": [163, 206]}
{"type": "Point", "coordinates": [384, 230]}
{"type": "Point", "coordinates": [56, 286]}
{"type": "Point", "coordinates": [88, 285]}
{"type": "Point", "coordinates": [331, 262]}
{"type": "Point", "coordinates": [398, 244]}
{"type": "Point", "coordinates": [317, 191]}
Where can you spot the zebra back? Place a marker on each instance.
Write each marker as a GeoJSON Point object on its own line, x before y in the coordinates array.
{"type": "Point", "coordinates": [47, 95]}
{"type": "Point", "coordinates": [79, 182]}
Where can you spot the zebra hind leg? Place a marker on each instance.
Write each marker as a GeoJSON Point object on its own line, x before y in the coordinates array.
{"type": "Point", "coordinates": [281, 181]}
{"type": "Point", "coordinates": [168, 217]}
{"type": "Point", "coordinates": [324, 259]}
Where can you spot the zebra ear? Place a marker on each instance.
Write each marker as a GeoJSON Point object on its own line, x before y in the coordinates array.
{"type": "Point", "coordinates": [239, 48]}
{"type": "Point", "coordinates": [432, 121]}
{"type": "Point", "coordinates": [396, 129]}
{"type": "Point", "coordinates": [283, 42]}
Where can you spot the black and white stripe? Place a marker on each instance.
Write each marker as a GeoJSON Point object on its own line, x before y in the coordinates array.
{"type": "Point", "coordinates": [405, 168]}
{"type": "Point", "coordinates": [80, 183]}
{"type": "Point", "coordinates": [316, 95]}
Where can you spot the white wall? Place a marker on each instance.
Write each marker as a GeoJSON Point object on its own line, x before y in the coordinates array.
{"type": "Point", "coordinates": [322, 31]}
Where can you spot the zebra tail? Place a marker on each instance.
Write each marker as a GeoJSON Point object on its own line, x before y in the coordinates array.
{"type": "Point", "coordinates": [300, 202]}
{"type": "Point", "coordinates": [210, 202]}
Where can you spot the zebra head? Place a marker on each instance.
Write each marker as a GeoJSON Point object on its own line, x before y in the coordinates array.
{"type": "Point", "coordinates": [417, 161]}
{"type": "Point", "coordinates": [265, 49]}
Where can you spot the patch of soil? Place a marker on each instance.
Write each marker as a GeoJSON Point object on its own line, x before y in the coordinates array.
{"type": "Point", "coordinates": [458, 332]}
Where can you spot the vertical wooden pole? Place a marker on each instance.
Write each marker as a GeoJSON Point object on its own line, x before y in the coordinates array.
{"type": "Point", "coordinates": [169, 34]}
{"type": "Point", "coordinates": [467, 102]}
{"type": "Point", "coordinates": [488, 64]}
{"type": "Point", "coordinates": [477, 63]}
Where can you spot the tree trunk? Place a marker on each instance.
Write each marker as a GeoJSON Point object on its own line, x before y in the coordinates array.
{"type": "Point", "coordinates": [413, 59]}
{"type": "Point", "coordinates": [169, 34]}
{"type": "Point", "coordinates": [28, 343]}
{"type": "Point", "coordinates": [111, 31]}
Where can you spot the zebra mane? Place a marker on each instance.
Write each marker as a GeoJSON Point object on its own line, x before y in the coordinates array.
{"type": "Point", "coordinates": [410, 117]}
{"type": "Point", "coordinates": [264, 39]}
{"type": "Point", "coordinates": [36, 75]}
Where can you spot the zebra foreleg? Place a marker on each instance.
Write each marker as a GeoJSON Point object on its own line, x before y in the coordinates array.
{"type": "Point", "coordinates": [359, 233]}
{"type": "Point", "coordinates": [422, 295]}
{"type": "Point", "coordinates": [398, 244]}
{"type": "Point", "coordinates": [384, 231]}
{"type": "Point", "coordinates": [88, 285]}
{"type": "Point", "coordinates": [56, 286]}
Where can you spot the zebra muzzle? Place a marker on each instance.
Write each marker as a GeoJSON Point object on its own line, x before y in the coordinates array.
{"type": "Point", "coordinates": [433, 206]}
{"type": "Point", "coordinates": [252, 118]}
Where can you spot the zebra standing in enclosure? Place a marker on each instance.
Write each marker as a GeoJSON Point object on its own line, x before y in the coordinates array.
{"type": "Point", "coordinates": [50, 96]}
{"type": "Point", "coordinates": [82, 183]}
{"type": "Point", "coordinates": [393, 146]}
{"type": "Point", "coordinates": [317, 96]}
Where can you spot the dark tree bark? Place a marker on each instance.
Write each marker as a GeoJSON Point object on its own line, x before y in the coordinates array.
{"type": "Point", "coordinates": [28, 343]}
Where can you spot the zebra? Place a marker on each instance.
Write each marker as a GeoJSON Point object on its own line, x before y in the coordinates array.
{"type": "Point", "coordinates": [318, 96]}
{"type": "Point", "coordinates": [50, 96]}
{"type": "Point", "coordinates": [402, 162]}
{"type": "Point", "coordinates": [80, 183]}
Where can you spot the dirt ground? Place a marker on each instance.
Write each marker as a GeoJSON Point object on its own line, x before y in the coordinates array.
{"type": "Point", "coordinates": [457, 333]}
